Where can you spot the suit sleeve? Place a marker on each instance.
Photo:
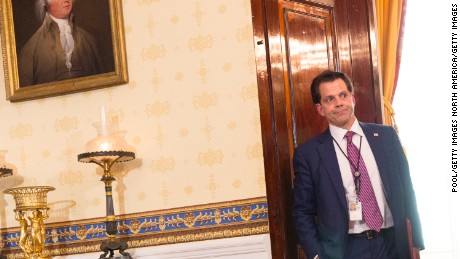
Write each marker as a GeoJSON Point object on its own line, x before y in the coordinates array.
{"type": "Point", "coordinates": [304, 206]}
{"type": "Point", "coordinates": [26, 63]}
{"type": "Point", "coordinates": [409, 194]}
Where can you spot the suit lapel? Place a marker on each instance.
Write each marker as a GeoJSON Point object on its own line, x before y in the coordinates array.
{"type": "Point", "coordinates": [328, 155]}
{"type": "Point", "coordinates": [376, 141]}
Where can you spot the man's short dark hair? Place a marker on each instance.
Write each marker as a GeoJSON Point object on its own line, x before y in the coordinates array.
{"type": "Point", "coordinates": [327, 76]}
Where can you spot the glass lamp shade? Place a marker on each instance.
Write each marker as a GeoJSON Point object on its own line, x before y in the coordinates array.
{"type": "Point", "coordinates": [108, 138]}
{"type": "Point", "coordinates": [109, 144]}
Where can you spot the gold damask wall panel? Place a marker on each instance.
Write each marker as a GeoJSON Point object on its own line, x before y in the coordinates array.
{"type": "Point", "coordinates": [190, 109]}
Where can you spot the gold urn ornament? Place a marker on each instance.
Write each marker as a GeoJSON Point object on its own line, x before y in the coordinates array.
{"type": "Point", "coordinates": [31, 212]}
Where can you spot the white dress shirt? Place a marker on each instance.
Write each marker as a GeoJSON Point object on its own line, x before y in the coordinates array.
{"type": "Point", "coordinates": [338, 134]}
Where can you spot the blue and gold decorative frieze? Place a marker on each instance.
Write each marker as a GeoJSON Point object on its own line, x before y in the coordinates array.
{"type": "Point", "coordinates": [187, 224]}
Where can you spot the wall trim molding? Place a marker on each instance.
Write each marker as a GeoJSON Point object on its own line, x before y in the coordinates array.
{"type": "Point", "coordinates": [247, 247]}
{"type": "Point", "coordinates": [187, 224]}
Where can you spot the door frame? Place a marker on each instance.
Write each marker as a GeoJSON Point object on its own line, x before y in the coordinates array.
{"type": "Point", "coordinates": [362, 67]}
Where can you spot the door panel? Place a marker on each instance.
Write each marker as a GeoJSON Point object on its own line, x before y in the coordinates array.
{"type": "Point", "coordinates": [309, 48]}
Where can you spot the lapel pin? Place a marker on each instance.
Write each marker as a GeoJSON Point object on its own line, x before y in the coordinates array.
{"type": "Point", "coordinates": [376, 134]}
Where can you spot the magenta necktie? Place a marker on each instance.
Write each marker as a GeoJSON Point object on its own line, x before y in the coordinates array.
{"type": "Point", "coordinates": [371, 212]}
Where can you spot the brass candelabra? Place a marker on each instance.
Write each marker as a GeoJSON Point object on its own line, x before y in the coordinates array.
{"type": "Point", "coordinates": [106, 159]}
{"type": "Point", "coordinates": [106, 149]}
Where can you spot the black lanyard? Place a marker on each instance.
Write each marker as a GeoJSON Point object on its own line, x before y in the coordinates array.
{"type": "Point", "coordinates": [356, 173]}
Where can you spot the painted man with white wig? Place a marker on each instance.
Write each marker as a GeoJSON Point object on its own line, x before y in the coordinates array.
{"type": "Point", "coordinates": [59, 49]}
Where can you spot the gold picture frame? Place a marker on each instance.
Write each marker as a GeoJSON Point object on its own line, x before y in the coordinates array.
{"type": "Point", "coordinates": [16, 27]}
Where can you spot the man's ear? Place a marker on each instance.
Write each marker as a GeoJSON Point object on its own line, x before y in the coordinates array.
{"type": "Point", "coordinates": [319, 108]}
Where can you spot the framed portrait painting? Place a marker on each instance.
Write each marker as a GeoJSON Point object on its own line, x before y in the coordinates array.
{"type": "Point", "coordinates": [57, 47]}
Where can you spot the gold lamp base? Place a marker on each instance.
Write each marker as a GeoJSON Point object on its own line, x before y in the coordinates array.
{"type": "Point", "coordinates": [31, 212]}
{"type": "Point", "coordinates": [106, 159]}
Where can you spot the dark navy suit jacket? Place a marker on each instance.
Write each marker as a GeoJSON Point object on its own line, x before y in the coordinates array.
{"type": "Point", "coordinates": [320, 207]}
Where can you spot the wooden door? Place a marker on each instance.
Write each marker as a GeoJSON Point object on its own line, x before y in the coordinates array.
{"type": "Point", "coordinates": [294, 41]}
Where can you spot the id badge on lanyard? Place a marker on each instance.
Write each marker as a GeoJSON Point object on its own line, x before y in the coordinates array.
{"type": "Point", "coordinates": [355, 210]}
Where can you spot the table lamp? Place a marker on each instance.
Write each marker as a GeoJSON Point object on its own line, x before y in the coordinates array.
{"type": "Point", "coordinates": [4, 172]}
{"type": "Point", "coordinates": [106, 149]}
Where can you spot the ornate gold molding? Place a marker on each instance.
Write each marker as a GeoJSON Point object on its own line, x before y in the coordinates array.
{"type": "Point", "coordinates": [178, 225]}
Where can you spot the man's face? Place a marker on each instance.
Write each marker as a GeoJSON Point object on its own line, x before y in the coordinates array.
{"type": "Point", "coordinates": [60, 8]}
{"type": "Point", "coordinates": [337, 104]}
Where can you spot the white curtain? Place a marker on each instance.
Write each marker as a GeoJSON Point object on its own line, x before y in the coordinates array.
{"type": "Point", "coordinates": [422, 105]}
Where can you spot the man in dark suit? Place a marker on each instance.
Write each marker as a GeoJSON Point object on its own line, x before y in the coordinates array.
{"type": "Point", "coordinates": [353, 194]}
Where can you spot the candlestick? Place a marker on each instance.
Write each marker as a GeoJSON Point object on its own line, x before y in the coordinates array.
{"type": "Point", "coordinates": [103, 121]}
{"type": "Point", "coordinates": [108, 148]}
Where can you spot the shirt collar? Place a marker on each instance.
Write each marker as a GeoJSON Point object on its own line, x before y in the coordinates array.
{"type": "Point", "coordinates": [48, 23]}
{"type": "Point", "coordinates": [59, 21]}
{"type": "Point", "coordinates": [339, 134]}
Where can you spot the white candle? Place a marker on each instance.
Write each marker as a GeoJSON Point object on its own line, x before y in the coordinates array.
{"type": "Point", "coordinates": [103, 121]}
